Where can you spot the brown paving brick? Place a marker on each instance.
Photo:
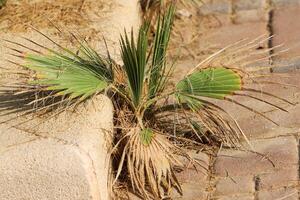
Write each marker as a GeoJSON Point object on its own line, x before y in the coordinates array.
{"type": "Point", "coordinates": [287, 30]}
{"type": "Point", "coordinates": [234, 185]}
{"type": "Point", "coordinates": [283, 193]}
{"type": "Point", "coordinates": [216, 6]}
{"type": "Point", "coordinates": [288, 120]}
{"type": "Point", "coordinates": [231, 33]}
{"type": "Point", "coordinates": [284, 3]}
{"type": "Point", "coordinates": [191, 192]}
{"type": "Point", "coordinates": [283, 152]}
{"type": "Point", "coordinates": [247, 197]}
{"type": "Point", "coordinates": [195, 172]}
{"type": "Point", "coordinates": [281, 178]}
{"type": "Point", "coordinates": [254, 15]}
{"type": "Point", "coordinates": [255, 126]}
{"type": "Point", "coordinates": [248, 4]}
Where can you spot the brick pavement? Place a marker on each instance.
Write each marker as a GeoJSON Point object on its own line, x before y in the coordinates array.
{"type": "Point", "coordinates": [271, 170]}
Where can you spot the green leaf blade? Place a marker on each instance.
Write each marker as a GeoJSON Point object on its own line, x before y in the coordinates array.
{"type": "Point", "coordinates": [134, 57]}
{"type": "Point", "coordinates": [214, 83]}
{"type": "Point", "coordinates": [158, 70]}
{"type": "Point", "coordinates": [68, 75]}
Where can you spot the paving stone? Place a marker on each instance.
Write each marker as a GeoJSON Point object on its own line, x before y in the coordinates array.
{"type": "Point", "coordinates": [195, 172]}
{"type": "Point", "coordinates": [265, 128]}
{"type": "Point", "coordinates": [248, 197]}
{"type": "Point", "coordinates": [191, 192]}
{"type": "Point", "coordinates": [284, 3]}
{"type": "Point", "coordinates": [231, 33]}
{"type": "Point", "coordinates": [279, 132]}
{"type": "Point", "coordinates": [282, 152]}
{"type": "Point", "coordinates": [287, 30]}
{"type": "Point", "coordinates": [281, 178]}
{"type": "Point", "coordinates": [283, 193]}
{"type": "Point", "coordinates": [194, 178]}
{"type": "Point", "coordinates": [216, 6]}
{"type": "Point", "coordinates": [254, 15]}
{"type": "Point", "coordinates": [235, 185]}
{"type": "Point", "coordinates": [248, 4]}
{"type": "Point", "coordinates": [285, 66]}
{"type": "Point", "coordinates": [286, 120]}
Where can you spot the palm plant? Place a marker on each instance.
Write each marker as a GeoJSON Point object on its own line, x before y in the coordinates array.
{"type": "Point", "coordinates": [152, 113]}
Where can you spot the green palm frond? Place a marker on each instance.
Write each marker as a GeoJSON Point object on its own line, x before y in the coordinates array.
{"type": "Point", "coordinates": [69, 74]}
{"type": "Point", "coordinates": [158, 69]}
{"type": "Point", "coordinates": [214, 83]}
{"type": "Point", "coordinates": [65, 76]}
{"type": "Point", "coordinates": [135, 61]}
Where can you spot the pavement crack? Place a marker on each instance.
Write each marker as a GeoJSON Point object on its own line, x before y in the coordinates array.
{"type": "Point", "coordinates": [257, 182]}
{"type": "Point", "coordinates": [232, 11]}
{"type": "Point", "coordinates": [298, 167]}
{"type": "Point", "coordinates": [270, 29]}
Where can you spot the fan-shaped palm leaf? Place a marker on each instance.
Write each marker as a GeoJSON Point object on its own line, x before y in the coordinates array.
{"type": "Point", "coordinates": [214, 83]}
{"type": "Point", "coordinates": [69, 76]}
{"type": "Point", "coordinates": [58, 78]}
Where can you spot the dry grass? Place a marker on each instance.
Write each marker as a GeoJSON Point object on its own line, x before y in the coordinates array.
{"type": "Point", "coordinates": [18, 16]}
{"type": "Point", "coordinates": [151, 176]}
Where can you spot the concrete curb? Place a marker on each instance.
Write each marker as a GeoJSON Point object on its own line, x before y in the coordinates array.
{"type": "Point", "coordinates": [69, 163]}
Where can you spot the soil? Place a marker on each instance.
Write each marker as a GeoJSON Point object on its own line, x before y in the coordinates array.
{"type": "Point", "coordinates": [18, 16]}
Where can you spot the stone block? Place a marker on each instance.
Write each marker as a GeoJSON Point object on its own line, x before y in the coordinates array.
{"type": "Point", "coordinates": [284, 3]}
{"type": "Point", "coordinates": [194, 177]}
{"type": "Point", "coordinates": [287, 31]}
{"type": "Point", "coordinates": [234, 185]}
{"type": "Point", "coordinates": [69, 159]}
{"type": "Point", "coordinates": [228, 34]}
{"type": "Point", "coordinates": [255, 15]}
{"type": "Point", "coordinates": [191, 192]}
{"type": "Point", "coordinates": [194, 173]}
{"type": "Point", "coordinates": [286, 66]}
{"type": "Point", "coordinates": [283, 193]}
{"type": "Point", "coordinates": [247, 197]}
{"type": "Point", "coordinates": [280, 178]}
{"type": "Point", "coordinates": [282, 153]}
{"type": "Point", "coordinates": [289, 121]}
{"type": "Point", "coordinates": [215, 7]}
{"type": "Point", "coordinates": [248, 4]}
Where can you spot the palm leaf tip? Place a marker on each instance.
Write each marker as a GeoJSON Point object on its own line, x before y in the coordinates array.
{"type": "Point", "coordinates": [158, 70]}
